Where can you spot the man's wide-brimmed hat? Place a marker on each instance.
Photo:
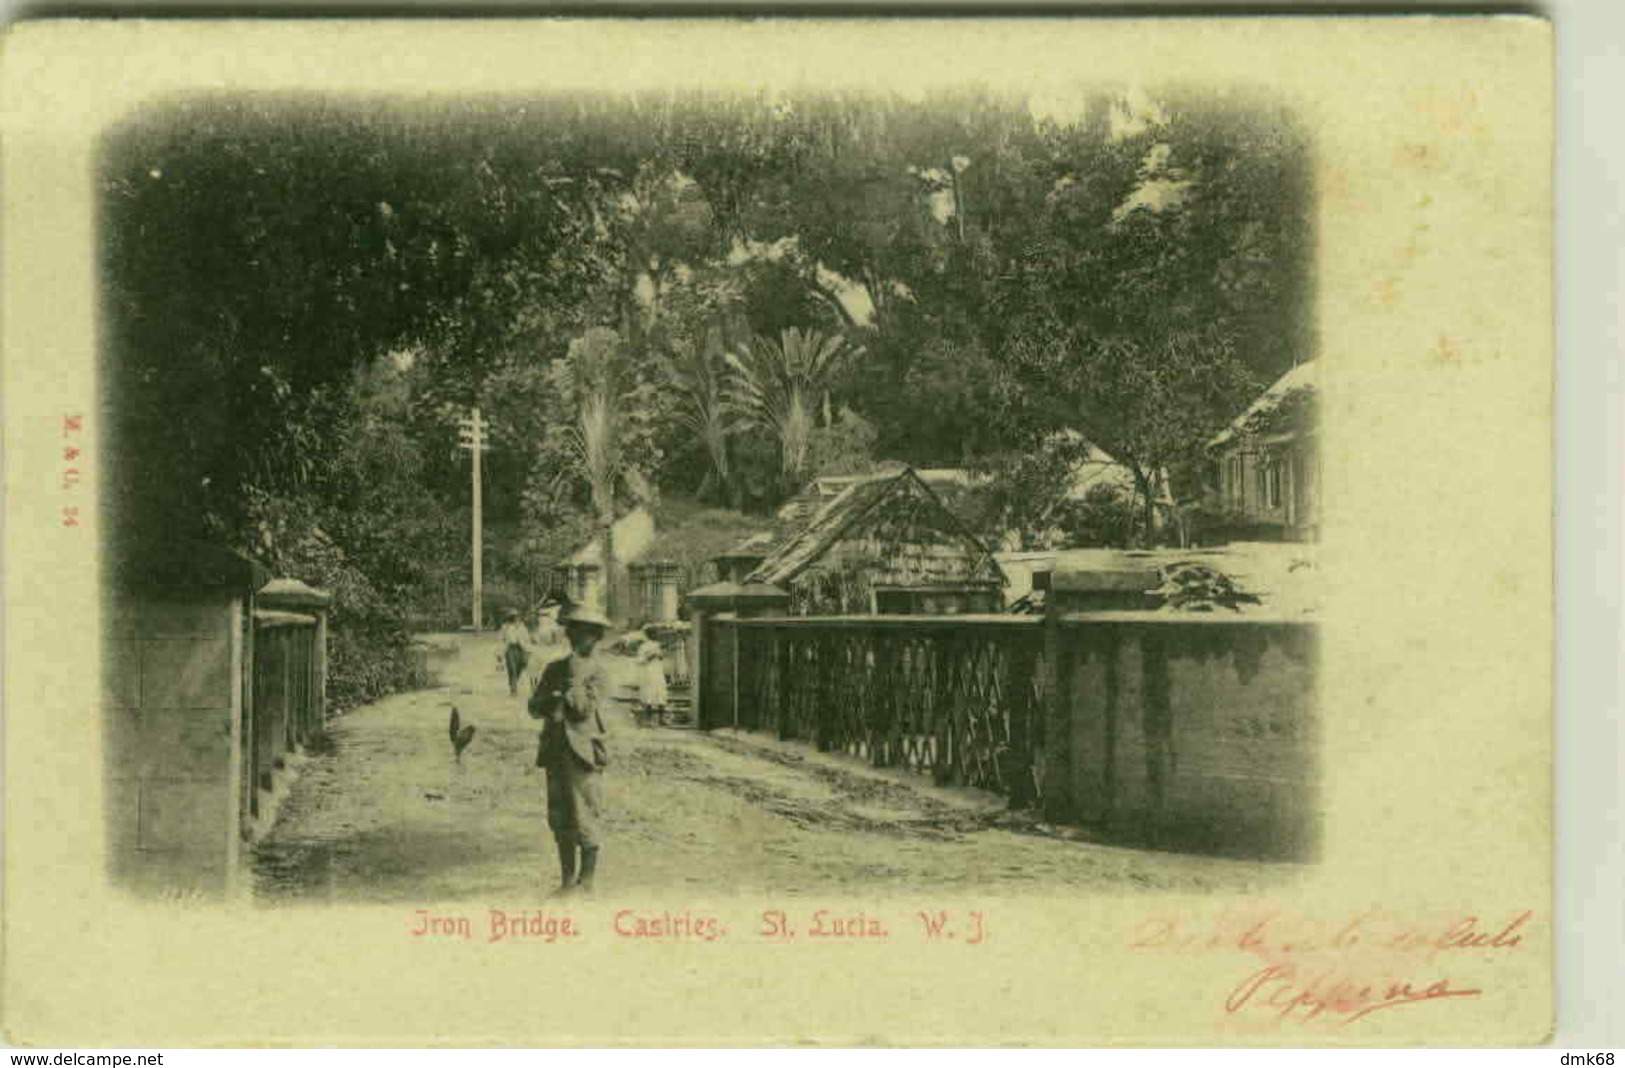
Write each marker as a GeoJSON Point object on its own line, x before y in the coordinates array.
{"type": "Point", "coordinates": [583, 615]}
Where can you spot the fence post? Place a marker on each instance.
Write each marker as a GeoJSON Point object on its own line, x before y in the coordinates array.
{"type": "Point", "coordinates": [1026, 728]}
{"type": "Point", "coordinates": [309, 699]}
{"type": "Point", "coordinates": [321, 669]}
{"type": "Point", "coordinates": [722, 665]}
{"type": "Point", "coordinates": [785, 653]}
{"type": "Point", "coordinates": [759, 600]}
{"type": "Point", "coordinates": [698, 618]}
{"type": "Point", "coordinates": [301, 671]}
{"type": "Point", "coordinates": [1156, 729]}
{"type": "Point", "coordinates": [1055, 700]}
{"type": "Point", "coordinates": [733, 675]}
{"type": "Point", "coordinates": [878, 722]}
{"type": "Point", "coordinates": [946, 711]}
{"type": "Point", "coordinates": [290, 696]}
{"type": "Point", "coordinates": [707, 685]}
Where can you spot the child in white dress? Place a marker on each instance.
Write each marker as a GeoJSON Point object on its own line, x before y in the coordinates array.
{"type": "Point", "coordinates": [651, 659]}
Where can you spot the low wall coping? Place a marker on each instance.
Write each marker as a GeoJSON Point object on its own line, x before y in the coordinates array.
{"type": "Point", "coordinates": [292, 593]}
{"type": "Point", "coordinates": [1116, 580]}
{"type": "Point", "coordinates": [1069, 619]}
{"type": "Point", "coordinates": [894, 622]}
{"type": "Point", "coordinates": [266, 619]}
{"type": "Point", "coordinates": [1221, 618]}
{"type": "Point", "coordinates": [732, 595]}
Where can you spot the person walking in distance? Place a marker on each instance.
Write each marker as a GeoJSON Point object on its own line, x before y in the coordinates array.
{"type": "Point", "coordinates": [569, 698]}
{"type": "Point", "coordinates": [515, 650]}
{"type": "Point", "coordinates": [547, 633]}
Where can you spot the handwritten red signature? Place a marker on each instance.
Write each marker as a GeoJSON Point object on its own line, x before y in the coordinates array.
{"type": "Point", "coordinates": [1338, 969]}
{"type": "Point", "coordinates": [1283, 989]}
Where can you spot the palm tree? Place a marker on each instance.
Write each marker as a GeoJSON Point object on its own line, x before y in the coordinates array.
{"type": "Point", "coordinates": [699, 378]}
{"type": "Point", "coordinates": [780, 385]}
{"type": "Point", "coordinates": [595, 375]}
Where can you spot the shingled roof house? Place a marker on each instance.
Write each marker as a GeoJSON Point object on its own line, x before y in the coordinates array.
{"type": "Point", "coordinates": [1268, 467]}
{"type": "Point", "coordinates": [883, 544]}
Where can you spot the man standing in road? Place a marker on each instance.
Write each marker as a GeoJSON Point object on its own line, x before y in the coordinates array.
{"type": "Point", "coordinates": [569, 698]}
{"type": "Point", "coordinates": [515, 651]}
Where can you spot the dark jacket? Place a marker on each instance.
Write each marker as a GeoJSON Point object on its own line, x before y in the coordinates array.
{"type": "Point", "coordinates": [571, 704]}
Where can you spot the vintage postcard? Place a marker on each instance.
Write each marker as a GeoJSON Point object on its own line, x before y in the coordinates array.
{"type": "Point", "coordinates": [853, 531]}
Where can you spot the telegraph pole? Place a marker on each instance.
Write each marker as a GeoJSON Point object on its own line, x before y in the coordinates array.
{"type": "Point", "coordinates": [472, 430]}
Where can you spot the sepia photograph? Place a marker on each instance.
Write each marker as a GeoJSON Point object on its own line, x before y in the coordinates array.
{"type": "Point", "coordinates": [737, 492]}
{"type": "Point", "coordinates": [841, 532]}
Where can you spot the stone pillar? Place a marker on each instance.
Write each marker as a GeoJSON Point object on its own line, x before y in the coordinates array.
{"type": "Point", "coordinates": [291, 595]}
{"type": "Point", "coordinates": [696, 648]}
{"type": "Point", "coordinates": [667, 576]}
{"type": "Point", "coordinates": [321, 667]}
{"type": "Point", "coordinates": [590, 582]}
{"type": "Point", "coordinates": [716, 664]}
{"type": "Point", "coordinates": [760, 600]}
{"type": "Point", "coordinates": [1060, 772]}
{"type": "Point", "coordinates": [703, 606]}
{"type": "Point", "coordinates": [753, 601]}
{"type": "Point", "coordinates": [638, 605]}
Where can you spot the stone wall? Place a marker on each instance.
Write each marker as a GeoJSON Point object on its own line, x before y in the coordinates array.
{"type": "Point", "coordinates": [1198, 733]}
{"type": "Point", "coordinates": [1184, 731]}
{"type": "Point", "coordinates": [172, 684]}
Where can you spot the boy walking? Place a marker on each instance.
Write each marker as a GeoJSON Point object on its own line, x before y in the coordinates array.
{"type": "Point", "coordinates": [569, 699]}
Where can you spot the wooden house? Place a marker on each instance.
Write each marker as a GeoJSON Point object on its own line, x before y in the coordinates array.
{"type": "Point", "coordinates": [884, 544]}
{"type": "Point", "coordinates": [1268, 470]}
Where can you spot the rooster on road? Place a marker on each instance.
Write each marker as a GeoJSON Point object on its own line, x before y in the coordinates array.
{"type": "Point", "coordinates": [460, 735]}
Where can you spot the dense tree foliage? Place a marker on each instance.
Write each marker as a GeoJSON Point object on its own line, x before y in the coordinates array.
{"type": "Point", "coordinates": [303, 297]}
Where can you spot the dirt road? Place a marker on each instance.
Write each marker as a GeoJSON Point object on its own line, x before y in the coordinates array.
{"type": "Point", "coordinates": [387, 814]}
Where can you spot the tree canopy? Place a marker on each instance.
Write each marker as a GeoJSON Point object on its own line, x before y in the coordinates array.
{"type": "Point", "coordinates": [303, 295]}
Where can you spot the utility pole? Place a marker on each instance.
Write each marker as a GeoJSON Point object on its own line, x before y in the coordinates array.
{"type": "Point", "coordinates": [959, 197]}
{"type": "Point", "coordinates": [472, 431]}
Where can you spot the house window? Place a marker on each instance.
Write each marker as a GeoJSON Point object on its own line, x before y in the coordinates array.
{"type": "Point", "coordinates": [1234, 488]}
{"type": "Point", "coordinates": [1269, 475]}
